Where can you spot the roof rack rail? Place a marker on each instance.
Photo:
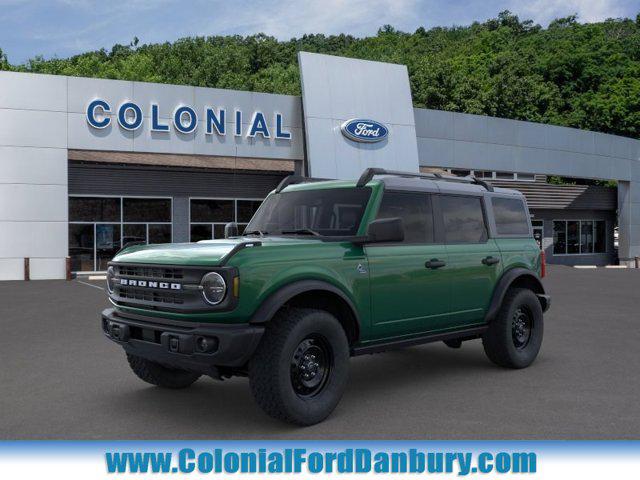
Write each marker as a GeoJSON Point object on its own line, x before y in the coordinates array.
{"type": "Point", "coordinates": [369, 173]}
{"type": "Point", "coordinates": [295, 179]}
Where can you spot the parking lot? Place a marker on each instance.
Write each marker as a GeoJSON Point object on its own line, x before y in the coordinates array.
{"type": "Point", "coordinates": [60, 378]}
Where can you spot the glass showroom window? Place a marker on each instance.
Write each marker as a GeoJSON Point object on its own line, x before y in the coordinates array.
{"type": "Point", "coordinates": [146, 220]}
{"type": "Point", "coordinates": [99, 226]}
{"type": "Point", "coordinates": [208, 216]}
{"type": "Point", "coordinates": [579, 237]}
{"type": "Point", "coordinates": [489, 175]}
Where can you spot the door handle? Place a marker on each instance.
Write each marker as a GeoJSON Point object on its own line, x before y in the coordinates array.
{"type": "Point", "coordinates": [490, 260]}
{"type": "Point", "coordinates": [435, 263]}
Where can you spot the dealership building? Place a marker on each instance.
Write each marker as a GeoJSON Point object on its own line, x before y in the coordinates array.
{"type": "Point", "coordinates": [91, 164]}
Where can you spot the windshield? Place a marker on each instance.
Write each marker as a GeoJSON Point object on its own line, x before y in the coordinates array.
{"type": "Point", "coordinates": [330, 212]}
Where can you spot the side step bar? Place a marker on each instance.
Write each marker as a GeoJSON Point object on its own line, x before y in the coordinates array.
{"type": "Point", "coordinates": [467, 333]}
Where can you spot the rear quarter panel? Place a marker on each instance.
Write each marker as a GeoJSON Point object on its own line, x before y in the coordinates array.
{"type": "Point", "coordinates": [519, 252]}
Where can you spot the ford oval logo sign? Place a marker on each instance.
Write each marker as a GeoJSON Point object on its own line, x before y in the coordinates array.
{"type": "Point", "coordinates": [363, 130]}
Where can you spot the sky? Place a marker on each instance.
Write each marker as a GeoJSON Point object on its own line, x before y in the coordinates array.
{"type": "Point", "coordinates": [67, 27]}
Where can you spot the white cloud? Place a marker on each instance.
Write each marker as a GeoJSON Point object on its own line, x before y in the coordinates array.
{"type": "Point", "coordinates": [67, 27]}
{"type": "Point", "coordinates": [543, 11]}
{"type": "Point", "coordinates": [289, 18]}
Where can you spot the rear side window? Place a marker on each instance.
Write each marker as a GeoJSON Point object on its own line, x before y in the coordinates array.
{"type": "Point", "coordinates": [463, 219]}
{"type": "Point", "coordinates": [511, 216]}
{"type": "Point", "coordinates": [415, 211]}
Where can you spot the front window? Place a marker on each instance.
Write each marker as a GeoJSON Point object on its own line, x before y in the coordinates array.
{"type": "Point", "coordinates": [330, 212]}
{"type": "Point", "coordinates": [414, 209]}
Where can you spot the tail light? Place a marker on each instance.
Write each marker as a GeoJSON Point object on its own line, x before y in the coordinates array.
{"type": "Point", "coordinates": [543, 264]}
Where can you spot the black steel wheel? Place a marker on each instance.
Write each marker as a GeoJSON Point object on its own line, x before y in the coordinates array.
{"type": "Point", "coordinates": [311, 365]}
{"type": "Point", "coordinates": [300, 368]}
{"type": "Point", "coordinates": [521, 326]}
{"type": "Point", "coordinates": [514, 336]}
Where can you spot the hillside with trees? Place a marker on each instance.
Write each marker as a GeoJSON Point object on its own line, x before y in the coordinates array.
{"type": "Point", "coordinates": [570, 73]}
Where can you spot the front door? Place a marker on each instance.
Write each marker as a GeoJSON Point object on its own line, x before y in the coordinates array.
{"type": "Point", "coordinates": [409, 287]}
{"type": "Point", "coordinates": [475, 263]}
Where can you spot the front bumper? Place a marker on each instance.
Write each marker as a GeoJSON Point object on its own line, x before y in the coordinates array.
{"type": "Point", "coordinates": [198, 348]}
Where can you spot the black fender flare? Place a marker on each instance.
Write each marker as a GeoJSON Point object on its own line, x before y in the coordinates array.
{"type": "Point", "coordinates": [276, 300]}
{"type": "Point", "coordinates": [506, 280]}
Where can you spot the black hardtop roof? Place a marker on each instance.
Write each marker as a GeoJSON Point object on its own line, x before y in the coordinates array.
{"type": "Point", "coordinates": [425, 182]}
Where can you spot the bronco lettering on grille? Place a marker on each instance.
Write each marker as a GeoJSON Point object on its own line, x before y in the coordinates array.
{"type": "Point", "coordinates": [150, 284]}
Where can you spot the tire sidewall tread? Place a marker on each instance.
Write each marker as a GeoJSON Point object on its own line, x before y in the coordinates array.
{"type": "Point", "coordinates": [269, 368]}
{"type": "Point", "coordinates": [498, 341]}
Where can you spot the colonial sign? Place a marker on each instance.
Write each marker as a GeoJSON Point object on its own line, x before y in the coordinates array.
{"type": "Point", "coordinates": [185, 120]}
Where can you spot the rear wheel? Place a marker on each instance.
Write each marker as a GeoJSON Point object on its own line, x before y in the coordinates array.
{"type": "Point", "coordinates": [157, 374]}
{"type": "Point", "coordinates": [514, 337]}
{"type": "Point", "coordinates": [300, 369]}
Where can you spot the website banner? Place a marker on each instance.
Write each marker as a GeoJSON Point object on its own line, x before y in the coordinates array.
{"type": "Point", "coordinates": [324, 459]}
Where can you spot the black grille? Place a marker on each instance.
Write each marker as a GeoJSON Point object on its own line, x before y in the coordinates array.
{"type": "Point", "coordinates": [146, 295]}
{"type": "Point", "coordinates": [157, 291]}
{"type": "Point", "coordinates": [161, 273]}
{"type": "Point", "coordinates": [167, 288]}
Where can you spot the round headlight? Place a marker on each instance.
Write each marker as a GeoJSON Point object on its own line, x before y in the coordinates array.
{"type": "Point", "coordinates": [213, 288]}
{"type": "Point", "coordinates": [111, 275]}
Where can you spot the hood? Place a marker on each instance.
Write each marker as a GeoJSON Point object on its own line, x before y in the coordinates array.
{"type": "Point", "coordinates": [206, 252]}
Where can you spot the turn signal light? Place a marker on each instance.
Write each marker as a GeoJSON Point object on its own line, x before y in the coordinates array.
{"type": "Point", "coordinates": [236, 287]}
{"type": "Point", "coordinates": [543, 264]}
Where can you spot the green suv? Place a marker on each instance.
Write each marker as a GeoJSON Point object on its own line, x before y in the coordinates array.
{"type": "Point", "coordinates": [326, 270]}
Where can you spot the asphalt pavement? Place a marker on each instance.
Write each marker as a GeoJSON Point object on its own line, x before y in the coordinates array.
{"type": "Point", "coordinates": [61, 379]}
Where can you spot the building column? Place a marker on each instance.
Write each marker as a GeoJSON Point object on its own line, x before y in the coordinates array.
{"type": "Point", "coordinates": [33, 176]}
{"type": "Point", "coordinates": [629, 219]}
{"type": "Point", "coordinates": [180, 219]}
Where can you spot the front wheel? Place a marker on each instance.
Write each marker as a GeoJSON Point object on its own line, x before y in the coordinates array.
{"type": "Point", "coordinates": [514, 337]}
{"type": "Point", "coordinates": [300, 369]}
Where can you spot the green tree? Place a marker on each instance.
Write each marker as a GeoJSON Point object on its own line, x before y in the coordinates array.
{"type": "Point", "coordinates": [583, 75]}
{"type": "Point", "coordinates": [4, 63]}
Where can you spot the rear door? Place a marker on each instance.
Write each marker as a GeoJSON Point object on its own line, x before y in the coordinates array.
{"type": "Point", "coordinates": [409, 286]}
{"type": "Point", "coordinates": [475, 263]}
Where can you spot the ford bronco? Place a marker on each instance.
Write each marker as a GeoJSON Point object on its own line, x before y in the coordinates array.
{"type": "Point", "coordinates": [326, 270]}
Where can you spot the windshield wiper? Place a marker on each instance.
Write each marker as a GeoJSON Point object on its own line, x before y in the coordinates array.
{"type": "Point", "coordinates": [256, 232]}
{"type": "Point", "coordinates": [301, 231]}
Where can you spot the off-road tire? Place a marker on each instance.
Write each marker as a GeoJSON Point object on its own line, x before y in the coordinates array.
{"type": "Point", "coordinates": [156, 374]}
{"type": "Point", "coordinates": [271, 369]}
{"type": "Point", "coordinates": [500, 342]}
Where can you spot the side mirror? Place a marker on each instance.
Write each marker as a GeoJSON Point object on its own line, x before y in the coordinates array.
{"type": "Point", "coordinates": [384, 230]}
{"type": "Point", "coordinates": [231, 230]}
